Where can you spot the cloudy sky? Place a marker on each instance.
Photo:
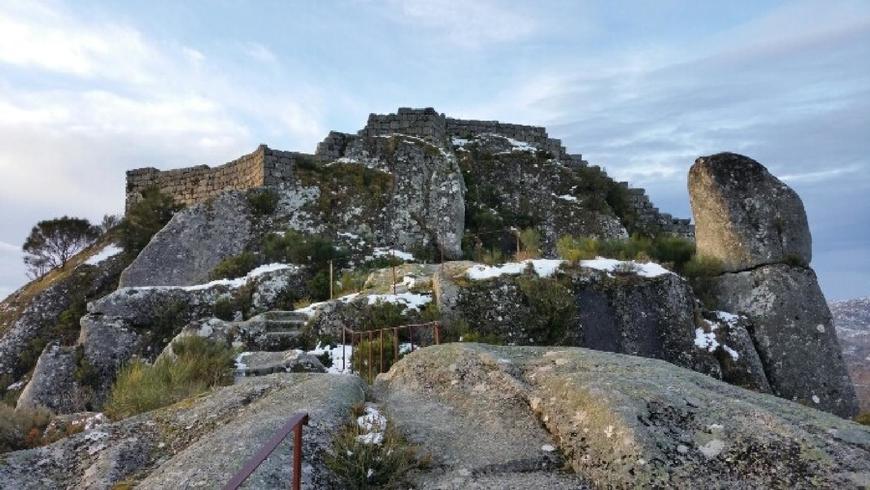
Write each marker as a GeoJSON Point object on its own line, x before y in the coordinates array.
{"type": "Point", "coordinates": [89, 90]}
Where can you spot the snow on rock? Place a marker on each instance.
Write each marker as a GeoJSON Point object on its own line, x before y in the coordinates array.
{"type": "Point", "coordinates": [706, 340]}
{"type": "Point", "coordinates": [542, 267]}
{"type": "Point", "coordinates": [107, 252]}
{"type": "Point", "coordinates": [647, 269]}
{"type": "Point", "coordinates": [231, 283]}
{"type": "Point", "coordinates": [399, 254]}
{"type": "Point", "coordinates": [566, 197]}
{"type": "Point", "coordinates": [412, 301]}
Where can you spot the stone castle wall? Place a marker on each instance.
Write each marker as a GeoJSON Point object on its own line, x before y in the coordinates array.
{"type": "Point", "coordinates": [264, 166]}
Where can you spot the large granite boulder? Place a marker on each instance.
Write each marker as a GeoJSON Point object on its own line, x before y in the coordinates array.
{"type": "Point", "coordinates": [757, 227]}
{"type": "Point", "coordinates": [39, 307]}
{"type": "Point", "coordinates": [54, 385]}
{"type": "Point", "coordinates": [745, 216]}
{"type": "Point", "coordinates": [618, 421]}
{"type": "Point", "coordinates": [793, 334]}
{"type": "Point", "coordinates": [194, 241]}
{"type": "Point", "coordinates": [200, 442]}
{"type": "Point", "coordinates": [648, 315]}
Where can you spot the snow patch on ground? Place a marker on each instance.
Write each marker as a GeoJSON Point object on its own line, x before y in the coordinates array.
{"type": "Point", "coordinates": [107, 252]}
{"type": "Point", "coordinates": [372, 424]}
{"type": "Point", "coordinates": [335, 353]}
{"type": "Point", "coordinates": [566, 197]}
{"type": "Point", "coordinates": [706, 340]}
{"type": "Point", "coordinates": [542, 267]}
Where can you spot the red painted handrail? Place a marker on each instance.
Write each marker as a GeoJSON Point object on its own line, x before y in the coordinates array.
{"type": "Point", "coordinates": [436, 337]}
{"type": "Point", "coordinates": [293, 425]}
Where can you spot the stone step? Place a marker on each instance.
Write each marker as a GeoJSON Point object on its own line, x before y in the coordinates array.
{"type": "Point", "coordinates": [261, 363]}
{"type": "Point", "coordinates": [282, 315]}
{"type": "Point", "coordinates": [283, 340]}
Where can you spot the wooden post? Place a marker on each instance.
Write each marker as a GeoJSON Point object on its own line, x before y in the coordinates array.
{"type": "Point", "coordinates": [343, 342]}
{"type": "Point", "coordinates": [437, 333]}
{"type": "Point", "coordinates": [517, 232]}
{"type": "Point", "coordinates": [394, 278]}
{"type": "Point", "coordinates": [331, 280]}
{"type": "Point", "coordinates": [382, 351]}
{"type": "Point", "coordinates": [370, 356]}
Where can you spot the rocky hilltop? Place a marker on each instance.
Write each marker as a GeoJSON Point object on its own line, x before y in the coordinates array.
{"type": "Point", "coordinates": [598, 341]}
{"type": "Point", "coordinates": [852, 320]}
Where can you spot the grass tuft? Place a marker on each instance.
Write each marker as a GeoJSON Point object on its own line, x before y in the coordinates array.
{"type": "Point", "coordinates": [199, 364]}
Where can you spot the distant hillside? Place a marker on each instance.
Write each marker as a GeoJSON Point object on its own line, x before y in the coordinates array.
{"type": "Point", "coordinates": [852, 320]}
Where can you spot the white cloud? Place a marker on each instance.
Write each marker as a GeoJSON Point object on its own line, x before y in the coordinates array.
{"type": "Point", "coordinates": [8, 248]}
{"type": "Point", "coordinates": [260, 53]}
{"type": "Point", "coordinates": [467, 24]}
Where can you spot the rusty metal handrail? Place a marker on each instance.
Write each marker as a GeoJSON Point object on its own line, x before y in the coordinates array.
{"type": "Point", "coordinates": [293, 425]}
{"type": "Point", "coordinates": [436, 334]}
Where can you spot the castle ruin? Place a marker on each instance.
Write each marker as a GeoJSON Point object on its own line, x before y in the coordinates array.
{"type": "Point", "coordinates": [268, 167]}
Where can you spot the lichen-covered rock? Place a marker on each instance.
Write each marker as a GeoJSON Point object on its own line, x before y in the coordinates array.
{"type": "Point", "coordinates": [623, 421]}
{"type": "Point", "coordinates": [106, 344]}
{"type": "Point", "coordinates": [627, 313]}
{"type": "Point", "coordinates": [472, 415]}
{"type": "Point", "coordinates": [727, 336]}
{"type": "Point", "coordinates": [53, 384]}
{"type": "Point", "coordinates": [513, 184]}
{"type": "Point", "coordinates": [186, 250]}
{"type": "Point", "coordinates": [422, 206]}
{"type": "Point", "coordinates": [793, 334]}
{"type": "Point", "coordinates": [292, 361]}
{"type": "Point", "coordinates": [42, 310]}
{"type": "Point", "coordinates": [201, 442]}
{"type": "Point", "coordinates": [745, 216]}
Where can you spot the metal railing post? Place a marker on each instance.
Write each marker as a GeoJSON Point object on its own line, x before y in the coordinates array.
{"type": "Point", "coordinates": [297, 458]}
{"type": "Point", "coordinates": [343, 342]}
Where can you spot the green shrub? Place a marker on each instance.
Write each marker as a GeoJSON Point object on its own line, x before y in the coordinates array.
{"type": "Point", "coordinates": [575, 249]}
{"type": "Point", "coordinates": [263, 201]}
{"type": "Point", "coordinates": [863, 418]}
{"type": "Point", "coordinates": [21, 429]}
{"type": "Point", "coordinates": [166, 323]}
{"type": "Point", "coordinates": [382, 314]}
{"type": "Point", "coordinates": [234, 266]}
{"type": "Point", "coordinates": [145, 218]}
{"type": "Point", "coordinates": [700, 272]}
{"type": "Point", "coordinates": [671, 249]}
{"type": "Point", "coordinates": [531, 242]}
{"type": "Point", "coordinates": [363, 466]}
{"type": "Point", "coordinates": [240, 301]}
{"type": "Point", "coordinates": [363, 349]}
{"type": "Point", "coordinates": [198, 365]}
{"type": "Point", "coordinates": [553, 303]}
{"type": "Point", "coordinates": [85, 373]}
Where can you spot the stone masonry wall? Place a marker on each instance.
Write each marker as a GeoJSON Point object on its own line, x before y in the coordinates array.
{"type": "Point", "coordinates": [266, 166]}
{"type": "Point", "coordinates": [190, 185]}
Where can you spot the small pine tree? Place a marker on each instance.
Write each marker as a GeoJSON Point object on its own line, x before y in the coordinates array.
{"type": "Point", "coordinates": [53, 242]}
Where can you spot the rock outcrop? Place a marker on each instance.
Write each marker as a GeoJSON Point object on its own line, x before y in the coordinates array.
{"type": "Point", "coordinates": [198, 443]}
{"type": "Point", "coordinates": [852, 321]}
{"type": "Point", "coordinates": [54, 385]}
{"type": "Point", "coordinates": [744, 216]}
{"type": "Point", "coordinates": [186, 250]}
{"type": "Point", "coordinates": [140, 321]}
{"type": "Point", "coordinates": [757, 227]}
{"type": "Point", "coordinates": [619, 421]}
{"type": "Point", "coordinates": [793, 334]}
{"type": "Point", "coordinates": [43, 308]}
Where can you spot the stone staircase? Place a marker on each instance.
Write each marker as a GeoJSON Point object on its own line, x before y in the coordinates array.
{"type": "Point", "coordinates": [281, 330]}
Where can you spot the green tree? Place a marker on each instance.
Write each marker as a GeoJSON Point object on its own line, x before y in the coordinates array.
{"type": "Point", "coordinates": [53, 242]}
{"type": "Point", "coordinates": [145, 218]}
